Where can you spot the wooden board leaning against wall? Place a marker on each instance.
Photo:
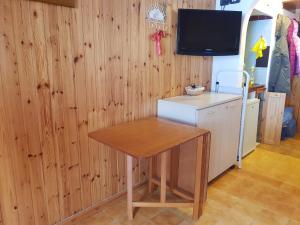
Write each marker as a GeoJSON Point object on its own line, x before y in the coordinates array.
{"type": "Point", "coordinates": [294, 99]}
{"type": "Point", "coordinates": [272, 118]}
{"type": "Point", "coordinates": [65, 72]}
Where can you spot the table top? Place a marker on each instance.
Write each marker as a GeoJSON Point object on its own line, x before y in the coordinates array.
{"type": "Point", "coordinates": [257, 87]}
{"type": "Point", "coordinates": [205, 100]}
{"type": "Point", "coordinates": [146, 137]}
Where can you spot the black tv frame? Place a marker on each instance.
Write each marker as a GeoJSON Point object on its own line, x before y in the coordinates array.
{"type": "Point", "coordinates": [205, 53]}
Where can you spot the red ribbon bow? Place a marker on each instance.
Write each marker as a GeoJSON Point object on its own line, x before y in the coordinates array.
{"type": "Point", "coordinates": [157, 36]}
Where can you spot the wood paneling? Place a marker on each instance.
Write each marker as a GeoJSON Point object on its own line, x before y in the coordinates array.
{"type": "Point", "coordinates": [291, 5]}
{"type": "Point", "coordinates": [136, 138]}
{"type": "Point", "coordinates": [65, 72]}
{"type": "Point", "coordinates": [265, 192]}
{"type": "Point", "coordinates": [272, 117]}
{"type": "Point", "coordinates": [1, 223]}
{"type": "Point", "coordinates": [67, 3]}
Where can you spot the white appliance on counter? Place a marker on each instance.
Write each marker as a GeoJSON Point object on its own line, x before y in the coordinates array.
{"type": "Point", "coordinates": [251, 124]}
{"type": "Point", "coordinates": [216, 112]}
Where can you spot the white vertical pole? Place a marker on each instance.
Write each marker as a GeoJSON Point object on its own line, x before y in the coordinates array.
{"type": "Point", "coordinates": [244, 108]}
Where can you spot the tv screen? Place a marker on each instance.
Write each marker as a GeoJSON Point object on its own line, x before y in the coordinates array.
{"type": "Point", "coordinates": [208, 32]}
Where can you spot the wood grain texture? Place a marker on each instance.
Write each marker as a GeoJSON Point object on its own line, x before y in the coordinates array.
{"type": "Point", "coordinates": [1, 221]}
{"type": "Point", "coordinates": [65, 72]}
{"type": "Point", "coordinates": [129, 188]}
{"type": "Point", "coordinates": [199, 178]}
{"type": "Point", "coordinates": [67, 3]}
{"type": "Point", "coordinates": [291, 5]}
{"type": "Point", "coordinates": [272, 117]}
{"type": "Point", "coordinates": [266, 191]}
{"type": "Point", "coordinates": [294, 99]}
{"type": "Point", "coordinates": [146, 137]}
{"type": "Point", "coordinates": [163, 178]}
{"type": "Point", "coordinates": [15, 147]}
{"type": "Point", "coordinates": [6, 184]}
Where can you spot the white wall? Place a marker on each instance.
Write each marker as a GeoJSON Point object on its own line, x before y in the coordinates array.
{"type": "Point", "coordinates": [269, 7]}
{"type": "Point", "coordinates": [234, 63]}
{"type": "Point", "coordinates": [256, 29]}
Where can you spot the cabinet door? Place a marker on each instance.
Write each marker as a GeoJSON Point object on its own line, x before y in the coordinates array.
{"type": "Point", "coordinates": [212, 120]}
{"type": "Point", "coordinates": [251, 124]}
{"type": "Point", "coordinates": [231, 133]}
{"type": "Point", "coordinates": [223, 122]}
{"type": "Point", "coordinates": [272, 116]}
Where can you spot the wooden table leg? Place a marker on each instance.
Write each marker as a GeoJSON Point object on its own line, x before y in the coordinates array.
{"type": "Point", "coordinates": [205, 163]}
{"type": "Point", "coordinates": [151, 174]}
{"type": "Point", "coordinates": [163, 175]}
{"type": "Point", "coordinates": [197, 210]}
{"type": "Point", "coordinates": [175, 155]}
{"type": "Point", "coordinates": [129, 188]}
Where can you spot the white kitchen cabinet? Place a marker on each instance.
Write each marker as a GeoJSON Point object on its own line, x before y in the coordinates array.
{"type": "Point", "coordinates": [251, 124]}
{"type": "Point", "coordinates": [234, 113]}
{"type": "Point", "coordinates": [211, 119]}
{"type": "Point", "coordinates": [218, 113]}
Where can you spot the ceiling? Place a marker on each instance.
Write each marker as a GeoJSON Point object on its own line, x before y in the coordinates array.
{"type": "Point", "coordinates": [291, 5]}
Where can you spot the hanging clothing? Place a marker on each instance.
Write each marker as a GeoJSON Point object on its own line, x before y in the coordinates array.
{"type": "Point", "coordinates": [292, 48]}
{"type": "Point", "coordinates": [259, 47]}
{"type": "Point", "coordinates": [297, 47]}
{"type": "Point", "coordinates": [280, 67]}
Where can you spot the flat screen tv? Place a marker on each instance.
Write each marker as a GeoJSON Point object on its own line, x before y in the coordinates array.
{"type": "Point", "coordinates": [208, 32]}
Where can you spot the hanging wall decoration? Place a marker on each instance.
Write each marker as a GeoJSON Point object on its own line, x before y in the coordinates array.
{"type": "Point", "coordinates": [157, 14]}
{"type": "Point", "coordinates": [156, 17]}
{"type": "Point", "coordinates": [157, 36]}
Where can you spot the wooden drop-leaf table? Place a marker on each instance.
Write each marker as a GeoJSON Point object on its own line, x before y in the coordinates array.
{"type": "Point", "coordinates": [153, 136]}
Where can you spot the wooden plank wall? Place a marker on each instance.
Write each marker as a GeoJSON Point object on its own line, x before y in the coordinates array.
{"type": "Point", "coordinates": [1, 223]}
{"type": "Point", "coordinates": [67, 3]}
{"type": "Point", "coordinates": [65, 72]}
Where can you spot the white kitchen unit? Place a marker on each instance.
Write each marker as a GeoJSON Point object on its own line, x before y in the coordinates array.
{"type": "Point", "coordinates": [220, 114]}
{"type": "Point", "coordinates": [251, 123]}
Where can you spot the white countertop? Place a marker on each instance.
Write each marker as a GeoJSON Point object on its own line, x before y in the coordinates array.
{"type": "Point", "coordinates": [207, 99]}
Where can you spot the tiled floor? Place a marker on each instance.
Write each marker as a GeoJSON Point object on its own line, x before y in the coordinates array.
{"type": "Point", "coordinates": [265, 192]}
